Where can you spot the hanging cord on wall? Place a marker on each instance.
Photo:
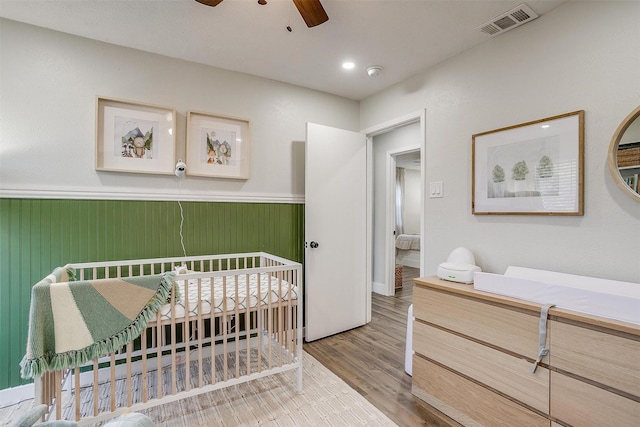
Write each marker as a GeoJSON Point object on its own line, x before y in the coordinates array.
{"type": "Point", "coordinates": [181, 220]}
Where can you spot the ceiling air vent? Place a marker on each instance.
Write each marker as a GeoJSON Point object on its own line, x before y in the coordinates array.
{"type": "Point", "coordinates": [509, 20]}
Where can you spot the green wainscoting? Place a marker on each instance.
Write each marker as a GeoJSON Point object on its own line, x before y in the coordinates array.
{"type": "Point", "coordinates": [38, 235]}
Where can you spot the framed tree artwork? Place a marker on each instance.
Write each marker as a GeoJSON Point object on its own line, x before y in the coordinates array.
{"type": "Point", "coordinates": [534, 168]}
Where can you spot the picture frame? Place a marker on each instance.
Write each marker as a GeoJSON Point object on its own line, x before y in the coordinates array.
{"type": "Point", "coordinates": [218, 146]}
{"type": "Point", "coordinates": [134, 137]}
{"type": "Point", "coordinates": [533, 168]}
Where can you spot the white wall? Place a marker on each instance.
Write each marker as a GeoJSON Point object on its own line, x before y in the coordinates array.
{"type": "Point", "coordinates": [411, 206]}
{"type": "Point", "coordinates": [400, 138]}
{"type": "Point", "coordinates": [48, 89]}
{"type": "Point", "coordinates": [580, 56]}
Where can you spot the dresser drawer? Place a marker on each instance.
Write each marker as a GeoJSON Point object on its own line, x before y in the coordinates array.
{"type": "Point", "coordinates": [467, 402]}
{"type": "Point", "coordinates": [581, 404]}
{"type": "Point", "coordinates": [606, 358]}
{"type": "Point", "coordinates": [509, 329]}
{"type": "Point", "coordinates": [503, 372]}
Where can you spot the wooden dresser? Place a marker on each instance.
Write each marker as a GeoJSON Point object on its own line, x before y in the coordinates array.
{"type": "Point", "coordinates": [474, 353]}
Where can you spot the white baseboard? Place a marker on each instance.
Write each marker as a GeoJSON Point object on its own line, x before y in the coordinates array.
{"type": "Point", "coordinates": [379, 288]}
{"type": "Point", "coordinates": [411, 263]}
{"type": "Point", "coordinates": [409, 258]}
{"type": "Point", "coordinates": [15, 395]}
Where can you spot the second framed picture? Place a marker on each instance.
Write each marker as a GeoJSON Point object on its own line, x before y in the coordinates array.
{"type": "Point", "coordinates": [218, 146]}
{"type": "Point", "coordinates": [534, 168]}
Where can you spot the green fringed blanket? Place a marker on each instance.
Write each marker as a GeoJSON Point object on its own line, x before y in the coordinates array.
{"type": "Point", "coordinates": [72, 322]}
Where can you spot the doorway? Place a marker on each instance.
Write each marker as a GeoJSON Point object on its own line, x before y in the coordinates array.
{"type": "Point", "coordinates": [386, 142]}
{"type": "Point", "coordinates": [405, 209]}
{"type": "Point", "coordinates": [362, 286]}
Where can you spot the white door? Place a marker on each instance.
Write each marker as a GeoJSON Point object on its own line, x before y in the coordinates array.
{"type": "Point", "coordinates": [335, 231]}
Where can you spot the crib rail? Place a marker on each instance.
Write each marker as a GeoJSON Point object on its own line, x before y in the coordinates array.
{"type": "Point", "coordinates": [200, 341]}
{"type": "Point", "coordinates": [206, 263]}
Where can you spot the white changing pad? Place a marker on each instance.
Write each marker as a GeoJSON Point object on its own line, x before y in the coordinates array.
{"type": "Point", "coordinates": [601, 297]}
{"type": "Point", "coordinates": [265, 289]}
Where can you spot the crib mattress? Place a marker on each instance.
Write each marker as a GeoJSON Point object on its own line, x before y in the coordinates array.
{"type": "Point", "coordinates": [262, 289]}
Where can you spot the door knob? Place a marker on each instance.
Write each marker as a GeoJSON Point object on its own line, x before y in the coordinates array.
{"type": "Point", "coordinates": [313, 245]}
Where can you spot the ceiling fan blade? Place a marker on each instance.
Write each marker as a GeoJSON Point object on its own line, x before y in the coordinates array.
{"type": "Point", "coordinates": [210, 2]}
{"type": "Point", "coordinates": [312, 12]}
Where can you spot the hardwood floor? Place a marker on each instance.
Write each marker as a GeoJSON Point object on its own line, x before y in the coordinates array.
{"type": "Point", "coordinates": [371, 359]}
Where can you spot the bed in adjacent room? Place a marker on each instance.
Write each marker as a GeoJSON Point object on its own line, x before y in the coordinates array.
{"type": "Point", "coordinates": [408, 250]}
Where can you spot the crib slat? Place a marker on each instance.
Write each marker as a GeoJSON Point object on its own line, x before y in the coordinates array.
{"type": "Point", "coordinates": [212, 327]}
{"type": "Point", "coordinates": [44, 393]}
{"type": "Point", "coordinates": [143, 347]}
{"type": "Point", "coordinates": [95, 387]}
{"type": "Point", "coordinates": [269, 320]}
{"type": "Point", "coordinates": [294, 332]}
{"type": "Point", "coordinates": [173, 343]}
{"type": "Point", "coordinates": [129, 391]}
{"type": "Point", "coordinates": [200, 331]}
{"type": "Point", "coordinates": [280, 319]}
{"type": "Point", "coordinates": [113, 381]}
{"type": "Point", "coordinates": [284, 346]}
{"type": "Point", "coordinates": [247, 318]}
{"type": "Point", "coordinates": [40, 392]}
{"type": "Point", "coordinates": [76, 391]}
{"type": "Point", "coordinates": [223, 325]}
{"type": "Point", "coordinates": [159, 343]}
{"type": "Point", "coordinates": [186, 336]}
{"type": "Point", "coordinates": [259, 322]}
{"type": "Point", "coordinates": [236, 325]}
{"type": "Point", "coordinates": [51, 382]}
{"type": "Point", "coordinates": [287, 316]}
{"type": "Point", "coordinates": [58, 394]}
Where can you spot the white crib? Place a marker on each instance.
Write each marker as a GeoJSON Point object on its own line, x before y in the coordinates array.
{"type": "Point", "coordinates": [233, 319]}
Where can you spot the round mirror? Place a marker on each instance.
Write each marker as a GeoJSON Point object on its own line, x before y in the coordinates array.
{"type": "Point", "coordinates": [624, 155]}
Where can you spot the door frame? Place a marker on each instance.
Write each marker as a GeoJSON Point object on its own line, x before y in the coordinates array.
{"type": "Point", "coordinates": [418, 115]}
{"type": "Point", "coordinates": [390, 193]}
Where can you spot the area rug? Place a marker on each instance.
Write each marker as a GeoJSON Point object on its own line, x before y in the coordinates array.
{"type": "Point", "coordinates": [326, 400]}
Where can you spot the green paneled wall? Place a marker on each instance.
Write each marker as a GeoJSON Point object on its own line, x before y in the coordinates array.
{"type": "Point", "coordinates": [38, 235]}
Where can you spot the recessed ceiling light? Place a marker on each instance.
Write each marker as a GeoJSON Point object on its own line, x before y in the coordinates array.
{"type": "Point", "coordinates": [545, 126]}
{"type": "Point", "coordinates": [348, 65]}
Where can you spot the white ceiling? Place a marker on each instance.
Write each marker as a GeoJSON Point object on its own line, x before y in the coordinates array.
{"type": "Point", "coordinates": [403, 36]}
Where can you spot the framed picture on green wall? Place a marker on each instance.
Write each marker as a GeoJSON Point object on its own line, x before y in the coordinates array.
{"type": "Point", "coordinates": [134, 137]}
{"type": "Point", "coordinates": [218, 146]}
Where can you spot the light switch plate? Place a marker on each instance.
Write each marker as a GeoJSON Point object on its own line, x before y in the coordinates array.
{"type": "Point", "coordinates": [436, 189]}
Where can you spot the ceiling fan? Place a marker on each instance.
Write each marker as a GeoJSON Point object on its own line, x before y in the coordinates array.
{"type": "Point", "coordinates": [311, 10]}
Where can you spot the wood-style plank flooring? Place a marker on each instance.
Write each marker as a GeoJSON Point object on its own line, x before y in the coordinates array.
{"type": "Point", "coordinates": [371, 359]}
